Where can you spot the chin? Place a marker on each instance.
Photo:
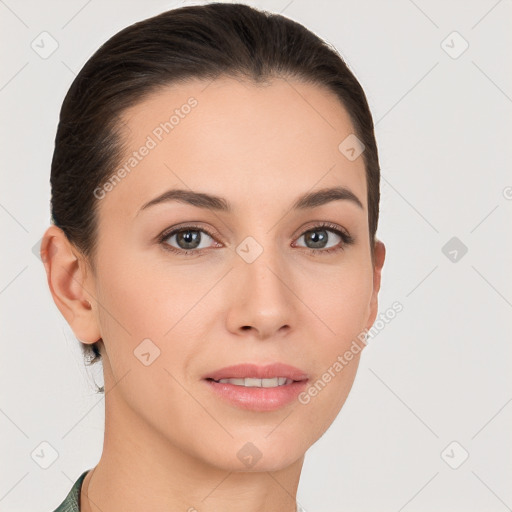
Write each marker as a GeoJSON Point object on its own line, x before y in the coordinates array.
{"type": "Point", "coordinates": [257, 454]}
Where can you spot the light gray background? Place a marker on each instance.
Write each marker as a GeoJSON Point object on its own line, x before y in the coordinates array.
{"type": "Point", "coordinates": [438, 373]}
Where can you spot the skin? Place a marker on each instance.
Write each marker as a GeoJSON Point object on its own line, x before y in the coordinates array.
{"type": "Point", "coordinates": [170, 443]}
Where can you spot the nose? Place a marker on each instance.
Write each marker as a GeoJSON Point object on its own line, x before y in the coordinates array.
{"type": "Point", "coordinates": [262, 299]}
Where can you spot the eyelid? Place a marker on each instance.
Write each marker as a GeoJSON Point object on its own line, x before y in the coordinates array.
{"type": "Point", "coordinates": [212, 233]}
{"type": "Point", "coordinates": [183, 226]}
{"type": "Point", "coordinates": [347, 238]}
{"type": "Point", "coordinates": [321, 224]}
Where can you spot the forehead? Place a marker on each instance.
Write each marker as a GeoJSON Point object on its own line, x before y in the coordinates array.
{"type": "Point", "coordinates": [235, 139]}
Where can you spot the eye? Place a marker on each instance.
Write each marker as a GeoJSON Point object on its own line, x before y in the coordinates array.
{"type": "Point", "coordinates": [318, 237]}
{"type": "Point", "coordinates": [189, 239]}
{"type": "Point", "coordinates": [192, 239]}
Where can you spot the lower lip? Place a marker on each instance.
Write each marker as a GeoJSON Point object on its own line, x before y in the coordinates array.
{"type": "Point", "coordinates": [256, 398]}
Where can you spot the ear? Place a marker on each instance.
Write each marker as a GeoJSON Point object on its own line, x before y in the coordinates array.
{"type": "Point", "coordinates": [380, 255]}
{"type": "Point", "coordinates": [70, 284]}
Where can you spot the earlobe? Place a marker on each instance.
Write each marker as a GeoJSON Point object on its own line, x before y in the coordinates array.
{"type": "Point", "coordinates": [69, 285]}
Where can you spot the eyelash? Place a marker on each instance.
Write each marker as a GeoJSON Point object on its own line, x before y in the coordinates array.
{"type": "Point", "coordinates": [347, 239]}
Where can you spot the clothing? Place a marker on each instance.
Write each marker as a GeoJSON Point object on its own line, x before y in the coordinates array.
{"type": "Point", "coordinates": [72, 501]}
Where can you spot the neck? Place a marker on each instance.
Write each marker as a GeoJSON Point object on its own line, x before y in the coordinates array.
{"type": "Point", "coordinates": [142, 470]}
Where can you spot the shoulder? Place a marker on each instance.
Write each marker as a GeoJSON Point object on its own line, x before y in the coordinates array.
{"type": "Point", "coordinates": [72, 501]}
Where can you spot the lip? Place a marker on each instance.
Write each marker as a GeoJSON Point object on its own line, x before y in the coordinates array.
{"type": "Point", "coordinates": [269, 371]}
{"type": "Point", "coordinates": [256, 398]}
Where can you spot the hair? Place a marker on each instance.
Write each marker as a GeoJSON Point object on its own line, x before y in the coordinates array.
{"type": "Point", "coordinates": [192, 42]}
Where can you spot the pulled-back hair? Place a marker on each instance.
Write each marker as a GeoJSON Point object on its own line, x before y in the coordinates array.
{"type": "Point", "coordinates": [202, 42]}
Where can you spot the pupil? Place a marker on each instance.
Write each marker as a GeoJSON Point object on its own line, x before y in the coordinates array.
{"type": "Point", "coordinates": [317, 239]}
{"type": "Point", "coordinates": [189, 236]}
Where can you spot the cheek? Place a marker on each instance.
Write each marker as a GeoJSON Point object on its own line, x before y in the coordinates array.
{"type": "Point", "coordinates": [143, 298]}
{"type": "Point", "coordinates": [148, 308]}
{"type": "Point", "coordinates": [341, 298]}
{"type": "Point", "coordinates": [139, 316]}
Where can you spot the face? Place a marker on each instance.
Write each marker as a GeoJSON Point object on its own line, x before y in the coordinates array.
{"type": "Point", "coordinates": [259, 281]}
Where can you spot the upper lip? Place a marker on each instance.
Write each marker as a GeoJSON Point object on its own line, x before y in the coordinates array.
{"type": "Point", "coordinates": [241, 371]}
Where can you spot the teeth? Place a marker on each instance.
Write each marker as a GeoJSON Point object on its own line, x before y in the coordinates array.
{"type": "Point", "coordinates": [250, 382]}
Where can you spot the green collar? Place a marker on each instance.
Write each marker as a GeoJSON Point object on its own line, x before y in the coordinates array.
{"type": "Point", "coordinates": [72, 501]}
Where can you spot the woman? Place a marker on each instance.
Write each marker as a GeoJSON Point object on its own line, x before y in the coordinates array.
{"type": "Point", "coordinates": [215, 200]}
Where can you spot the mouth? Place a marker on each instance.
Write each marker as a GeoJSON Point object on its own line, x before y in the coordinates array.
{"type": "Point", "coordinates": [256, 375]}
{"type": "Point", "coordinates": [253, 382]}
{"type": "Point", "coordinates": [257, 388]}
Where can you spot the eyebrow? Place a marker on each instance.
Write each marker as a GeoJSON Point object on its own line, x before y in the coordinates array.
{"type": "Point", "coordinates": [213, 202]}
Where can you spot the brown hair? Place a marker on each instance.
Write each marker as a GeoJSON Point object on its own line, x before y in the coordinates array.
{"type": "Point", "coordinates": [203, 42]}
